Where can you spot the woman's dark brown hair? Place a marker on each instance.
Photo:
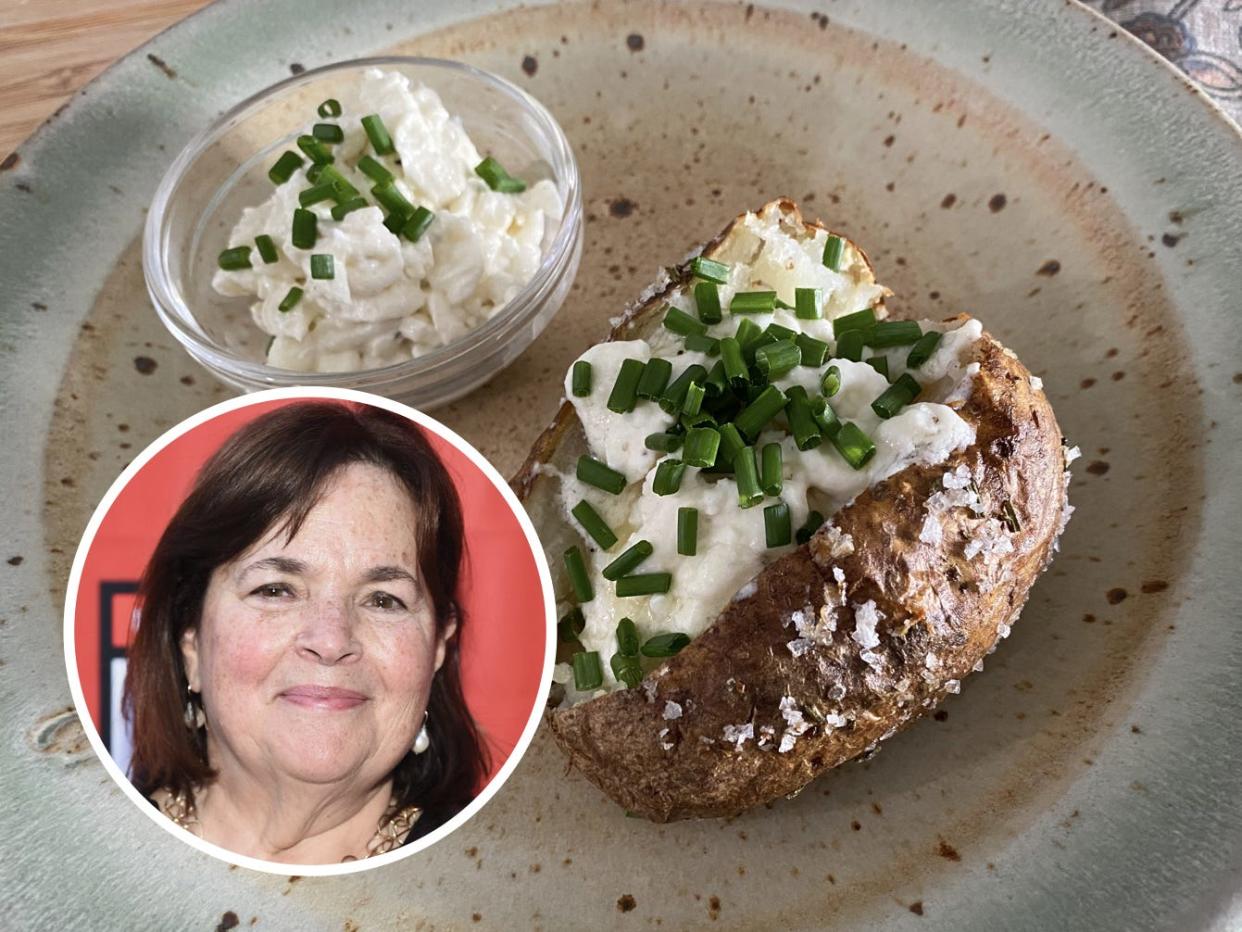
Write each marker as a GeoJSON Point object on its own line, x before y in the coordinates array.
{"type": "Point", "coordinates": [269, 475]}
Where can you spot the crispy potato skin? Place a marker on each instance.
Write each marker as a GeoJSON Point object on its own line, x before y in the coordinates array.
{"type": "Point", "coordinates": [933, 600]}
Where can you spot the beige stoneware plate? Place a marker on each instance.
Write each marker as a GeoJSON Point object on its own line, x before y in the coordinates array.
{"type": "Point", "coordinates": [1025, 162]}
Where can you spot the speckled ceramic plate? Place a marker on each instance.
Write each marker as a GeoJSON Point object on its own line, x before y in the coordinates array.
{"type": "Point", "coordinates": [1022, 161]}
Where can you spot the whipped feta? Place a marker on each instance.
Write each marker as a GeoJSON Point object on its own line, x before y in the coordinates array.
{"type": "Point", "coordinates": [731, 545]}
{"type": "Point", "coordinates": [391, 299]}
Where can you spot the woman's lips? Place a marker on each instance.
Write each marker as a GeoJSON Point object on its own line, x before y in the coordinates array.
{"type": "Point", "coordinates": [328, 698]}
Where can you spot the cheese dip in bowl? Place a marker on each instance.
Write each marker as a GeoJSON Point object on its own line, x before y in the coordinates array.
{"type": "Point", "coordinates": [404, 226]}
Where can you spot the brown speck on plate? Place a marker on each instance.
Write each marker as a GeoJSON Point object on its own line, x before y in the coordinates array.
{"type": "Point", "coordinates": [15, 561]}
{"type": "Point", "coordinates": [228, 921]}
{"type": "Point", "coordinates": [530, 65]}
{"type": "Point", "coordinates": [145, 364]}
{"type": "Point", "coordinates": [997, 202]}
{"type": "Point", "coordinates": [1150, 586]}
{"type": "Point", "coordinates": [947, 851]}
{"type": "Point", "coordinates": [1171, 239]}
{"type": "Point", "coordinates": [1049, 268]}
{"type": "Point", "coordinates": [625, 903]}
{"type": "Point", "coordinates": [1097, 467]}
{"type": "Point", "coordinates": [1116, 596]}
{"type": "Point", "coordinates": [948, 201]}
{"type": "Point", "coordinates": [296, 68]}
{"type": "Point", "coordinates": [159, 63]}
{"type": "Point", "coordinates": [634, 42]}
{"type": "Point", "coordinates": [917, 907]}
{"type": "Point", "coordinates": [10, 162]}
{"type": "Point", "coordinates": [621, 207]}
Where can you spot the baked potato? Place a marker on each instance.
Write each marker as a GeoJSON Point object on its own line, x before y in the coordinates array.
{"type": "Point", "coordinates": [802, 654]}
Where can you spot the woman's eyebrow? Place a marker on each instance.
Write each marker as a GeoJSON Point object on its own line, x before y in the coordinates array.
{"type": "Point", "coordinates": [388, 574]}
{"type": "Point", "coordinates": [279, 564]}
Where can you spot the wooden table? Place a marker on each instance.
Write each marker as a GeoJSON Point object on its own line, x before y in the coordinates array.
{"type": "Point", "coordinates": [50, 48]}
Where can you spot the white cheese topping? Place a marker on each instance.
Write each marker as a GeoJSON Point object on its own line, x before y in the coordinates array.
{"type": "Point", "coordinates": [391, 299]}
{"type": "Point", "coordinates": [731, 546]}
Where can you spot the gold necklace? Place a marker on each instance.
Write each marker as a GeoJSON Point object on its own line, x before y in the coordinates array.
{"type": "Point", "coordinates": [394, 824]}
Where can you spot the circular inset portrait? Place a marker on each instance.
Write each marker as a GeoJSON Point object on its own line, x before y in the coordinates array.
{"type": "Point", "coordinates": [310, 627]}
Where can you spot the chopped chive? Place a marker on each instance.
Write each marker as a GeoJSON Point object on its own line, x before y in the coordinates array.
{"type": "Point", "coordinates": [859, 320]}
{"type": "Point", "coordinates": [806, 432]}
{"type": "Point", "coordinates": [394, 223]}
{"type": "Point", "coordinates": [734, 363]}
{"type": "Point", "coordinates": [654, 378]}
{"type": "Point", "coordinates": [731, 444]}
{"type": "Point", "coordinates": [588, 674]}
{"type": "Point", "coordinates": [814, 351]}
{"type": "Point", "coordinates": [747, 333]}
{"type": "Point", "coordinates": [667, 478]}
{"type": "Point", "coordinates": [814, 520]}
{"type": "Point", "coordinates": [315, 150]}
{"type": "Point", "coordinates": [922, 350]}
{"type": "Point", "coordinates": [392, 200]}
{"type": "Point", "coordinates": [717, 382]}
{"type": "Point", "coordinates": [581, 379]}
{"type": "Point", "coordinates": [644, 584]}
{"type": "Point", "coordinates": [695, 393]}
{"type": "Point", "coordinates": [893, 333]}
{"type": "Point", "coordinates": [770, 467]}
{"type": "Point", "coordinates": [831, 382]}
{"type": "Point", "coordinates": [374, 169]}
{"type": "Point", "coordinates": [701, 343]}
{"type": "Point", "coordinates": [777, 332]}
{"type": "Point", "coordinates": [784, 306]}
{"type": "Point", "coordinates": [682, 323]}
{"type": "Point", "coordinates": [778, 359]}
{"type": "Point", "coordinates": [691, 421]}
{"type": "Point", "coordinates": [627, 670]}
{"type": "Point", "coordinates": [675, 395]}
{"type": "Point", "coordinates": [570, 625]}
{"type": "Point", "coordinates": [832, 252]}
{"type": "Point", "coordinates": [417, 225]}
{"type": "Point", "coordinates": [854, 445]}
{"type": "Point", "coordinates": [290, 300]}
{"type": "Point", "coordinates": [624, 394]}
{"type": "Point", "coordinates": [322, 266]}
{"type": "Point", "coordinates": [312, 173]}
{"type": "Point", "coordinates": [329, 108]}
{"type": "Point", "coordinates": [825, 417]}
{"type": "Point", "coordinates": [594, 524]}
{"type": "Point", "coordinates": [896, 396]}
{"type": "Point", "coordinates": [776, 525]}
{"type": "Point", "coordinates": [753, 302]}
{"type": "Point", "coordinates": [497, 178]}
{"type": "Point", "coordinates": [344, 209]}
{"type": "Point", "coordinates": [746, 474]}
{"type": "Point", "coordinates": [879, 364]}
{"type": "Point", "coordinates": [628, 561]}
{"type": "Point", "coordinates": [807, 303]}
{"type": "Point", "coordinates": [702, 446]}
{"type": "Point", "coordinates": [381, 142]}
{"type": "Point", "coordinates": [328, 132]}
{"type": "Point", "coordinates": [341, 187]}
{"type": "Point", "coordinates": [710, 270]}
{"type": "Point", "coordinates": [316, 193]}
{"type": "Point", "coordinates": [752, 419]}
{"type": "Point", "coordinates": [593, 472]}
{"type": "Point", "coordinates": [1010, 516]}
{"type": "Point", "coordinates": [575, 566]}
{"type": "Point", "coordinates": [266, 247]}
{"type": "Point", "coordinates": [850, 345]}
{"type": "Point", "coordinates": [288, 163]}
{"type": "Point", "coordinates": [305, 228]}
{"type": "Point", "coordinates": [687, 531]}
{"type": "Point", "coordinates": [707, 302]}
{"type": "Point", "coordinates": [663, 443]}
{"type": "Point", "coordinates": [627, 638]}
{"type": "Point", "coordinates": [666, 645]}
{"type": "Point", "coordinates": [232, 260]}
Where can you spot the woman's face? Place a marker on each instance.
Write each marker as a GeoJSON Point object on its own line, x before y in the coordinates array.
{"type": "Point", "coordinates": [315, 656]}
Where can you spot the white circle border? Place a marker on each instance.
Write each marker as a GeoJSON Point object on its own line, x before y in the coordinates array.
{"type": "Point", "coordinates": [298, 393]}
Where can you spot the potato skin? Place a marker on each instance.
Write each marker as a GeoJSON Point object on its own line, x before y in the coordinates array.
{"type": "Point", "coordinates": [933, 598]}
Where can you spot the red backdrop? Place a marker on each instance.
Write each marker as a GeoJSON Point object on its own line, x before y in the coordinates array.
{"type": "Point", "coordinates": [503, 638]}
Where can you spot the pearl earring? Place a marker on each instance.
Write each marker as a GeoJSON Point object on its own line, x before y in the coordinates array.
{"type": "Point", "coordinates": [194, 716]}
{"type": "Point", "coordinates": [423, 741]}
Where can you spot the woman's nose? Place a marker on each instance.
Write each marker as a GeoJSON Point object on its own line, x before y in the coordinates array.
{"type": "Point", "coordinates": [328, 634]}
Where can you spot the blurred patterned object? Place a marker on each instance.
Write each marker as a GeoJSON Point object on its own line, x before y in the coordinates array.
{"type": "Point", "coordinates": [1202, 37]}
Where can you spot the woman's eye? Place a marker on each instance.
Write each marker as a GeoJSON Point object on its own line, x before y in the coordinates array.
{"type": "Point", "coordinates": [386, 601]}
{"type": "Point", "coordinates": [272, 591]}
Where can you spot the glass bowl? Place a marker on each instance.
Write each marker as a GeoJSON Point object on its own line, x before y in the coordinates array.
{"type": "Point", "coordinates": [224, 169]}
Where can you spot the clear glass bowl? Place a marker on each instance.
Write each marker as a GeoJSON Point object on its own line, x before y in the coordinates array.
{"type": "Point", "coordinates": [224, 169]}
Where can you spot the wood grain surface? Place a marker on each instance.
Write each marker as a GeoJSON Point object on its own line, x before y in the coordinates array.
{"type": "Point", "coordinates": [51, 48]}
